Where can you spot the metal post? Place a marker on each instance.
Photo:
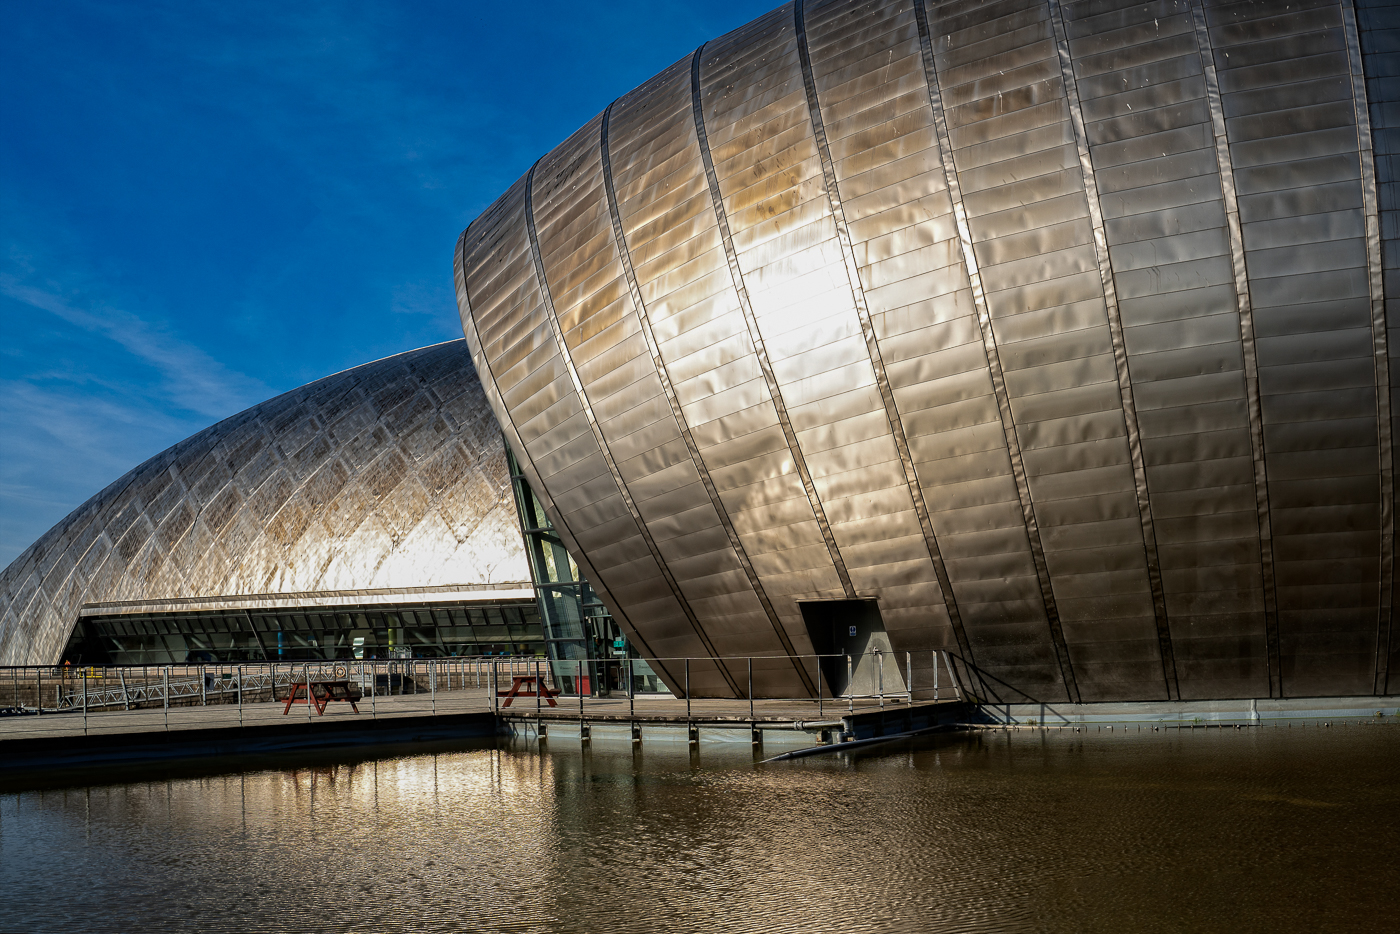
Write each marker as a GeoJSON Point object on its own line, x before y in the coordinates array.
{"type": "Point", "coordinates": [240, 695]}
{"type": "Point", "coordinates": [83, 672]}
{"type": "Point", "coordinates": [687, 689]}
{"type": "Point", "coordinates": [432, 675]}
{"type": "Point", "coordinates": [491, 680]}
{"type": "Point", "coordinates": [203, 686]}
{"type": "Point", "coordinates": [306, 675]}
{"type": "Point", "coordinates": [909, 675]}
{"type": "Point", "coordinates": [373, 691]}
{"type": "Point", "coordinates": [817, 664]}
{"type": "Point", "coordinates": [750, 687]}
{"type": "Point", "coordinates": [880, 674]}
{"type": "Point", "coordinates": [850, 693]}
{"type": "Point", "coordinates": [578, 686]}
{"type": "Point", "coordinates": [39, 690]}
{"type": "Point", "coordinates": [631, 690]}
{"type": "Point", "coordinates": [935, 676]}
{"type": "Point", "coordinates": [165, 700]}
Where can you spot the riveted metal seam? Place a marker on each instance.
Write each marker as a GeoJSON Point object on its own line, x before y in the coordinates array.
{"type": "Point", "coordinates": [989, 343]}
{"type": "Point", "coordinates": [1120, 355]}
{"type": "Point", "coordinates": [1251, 360]}
{"type": "Point", "coordinates": [654, 348]}
{"type": "Point", "coordinates": [867, 327]}
{"type": "Point", "coordinates": [1379, 339]}
{"type": "Point", "coordinates": [490, 387]}
{"type": "Point", "coordinates": [552, 317]}
{"type": "Point", "coordinates": [755, 336]}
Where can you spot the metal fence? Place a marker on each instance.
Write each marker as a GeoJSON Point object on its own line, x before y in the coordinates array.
{"type": "Point", "coordinates": [79, 700]}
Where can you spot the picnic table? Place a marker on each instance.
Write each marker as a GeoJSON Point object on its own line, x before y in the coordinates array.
{"type": "Point", "coordinates": [537, 689]}
{"type": "Point", "coordinates": [323, 693]}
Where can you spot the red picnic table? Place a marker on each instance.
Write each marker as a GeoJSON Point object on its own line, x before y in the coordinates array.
{"type": "Point", "coordinates": [520, 681]}
{"type": "Point", "coordinates": [322, 693]}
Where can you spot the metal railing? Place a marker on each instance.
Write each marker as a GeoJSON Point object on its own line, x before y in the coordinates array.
{"type": "Point", "coordinates": [79, 700]}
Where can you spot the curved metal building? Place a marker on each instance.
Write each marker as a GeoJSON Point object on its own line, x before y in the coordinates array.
{"type": "Point", "coordinates": [389, 479]}
{"type": "Point", "coordinates": [1056, 329]}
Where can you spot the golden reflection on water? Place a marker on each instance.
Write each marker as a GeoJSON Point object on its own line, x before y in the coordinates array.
{"type": "Point", "coordinates": [1272, 829]}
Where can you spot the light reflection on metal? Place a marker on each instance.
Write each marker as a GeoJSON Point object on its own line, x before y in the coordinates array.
{"type": "Point", "coordinates": [1109, 202]}
{"type": "Point", "coordinates": [755, 335]}
{"type": "Point", "coordinates": [482, 364]}
{"type": "Point", "coordinates": [677, 412]}
{"type": "Point", "coordinates": [993, 355]}
{"type": "Point", "coordinates": [553, 318]}
{"type": "Point", "coordinates": [843, 236]}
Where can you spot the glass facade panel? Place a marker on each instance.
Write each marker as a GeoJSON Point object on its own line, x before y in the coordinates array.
{"type": "Point", "coordinates": [426, 631]}
{"type": "Point", "coordinates": [586, 647]}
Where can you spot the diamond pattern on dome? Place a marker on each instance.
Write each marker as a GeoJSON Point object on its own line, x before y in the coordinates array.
{"type": "Point", "coordinates": [388, 475]}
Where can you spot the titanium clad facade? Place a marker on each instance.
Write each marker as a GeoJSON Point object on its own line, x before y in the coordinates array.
{"type": "Point", "coordinates": [387, 480]}
{"type": "Point", "coordinates": [1057, 328]}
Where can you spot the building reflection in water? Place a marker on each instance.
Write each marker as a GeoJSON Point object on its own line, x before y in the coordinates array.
{"type": "Point", "coordinates": [1021, 831]}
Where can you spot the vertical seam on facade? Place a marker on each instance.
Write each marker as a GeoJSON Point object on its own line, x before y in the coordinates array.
{"type": "Point", "coordinates": [483, 362]}
{"type": "Point", "coordinates": [553, 318]}
{"type": "Point", "coordinates": [867, 327]}
{"type": "Point", "coordinates": [1379, 338]}
{"type": "Point", "coordinates": [989, 345]}
{"type": "Point", "coordinates": [1251, 361]}
{"type": "Point", "coordinates": [1120, 354]}
{"type": "Point", "coordinates": [654, 348]}
{"type": "Point", "coordinates": [755, 337]}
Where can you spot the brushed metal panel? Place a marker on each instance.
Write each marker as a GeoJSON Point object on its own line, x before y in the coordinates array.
{"type": "Point", "coordinates": [657, 563]}
{"type": "Point", "coordinates": [1381, 351]}
{"type": "Point", "coordinates": [1307, 130]}
{"type": "Point", "coordinates": [677, 412]}
{"type": "Point", "coordinates": [736, 275]}
{"type": "Point", "coordinates": [935, 83]}
{"type": "Point", "coordinates": [467, 261]}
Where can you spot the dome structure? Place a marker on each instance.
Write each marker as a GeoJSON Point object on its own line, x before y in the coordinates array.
{"type": "Point", "coordinates": [387, 480]}
{"type": "Point", "coordinates": [1055, 333]}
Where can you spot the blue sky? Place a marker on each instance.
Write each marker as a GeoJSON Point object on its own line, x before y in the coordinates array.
{"type": "Point", "coordinates": [205, 204]}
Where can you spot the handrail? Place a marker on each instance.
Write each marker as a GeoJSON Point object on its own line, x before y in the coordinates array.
{"type": "Point", "coordinates": [415, 686]}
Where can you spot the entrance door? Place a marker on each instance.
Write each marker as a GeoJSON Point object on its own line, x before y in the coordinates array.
{"type": "Point", "coordinates": [854, 628]}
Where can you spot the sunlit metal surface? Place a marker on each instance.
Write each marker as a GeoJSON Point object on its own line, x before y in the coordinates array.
{"type": "Point", "coordinates": [389, 478]}
{"type": "Point", "coordinates": [1057, 327]}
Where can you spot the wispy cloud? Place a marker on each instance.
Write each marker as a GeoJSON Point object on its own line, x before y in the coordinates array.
{"type": "Point", "coordinates": [192, 379]}
{"type": "Point", "coordinates": [90, 388]}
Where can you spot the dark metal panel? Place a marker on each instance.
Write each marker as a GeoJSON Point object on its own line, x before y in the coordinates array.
{"type": "Point", "coordinates": [1248, 347]}
{"type": "Point", "coordinates": [1280, 142]}
{"type": "Point", "coordinates": [1379, 30]}
{"type": "Point", "coordinates": [1154, 156]}
{"type": "Point", "coordinates": [1381, 351]}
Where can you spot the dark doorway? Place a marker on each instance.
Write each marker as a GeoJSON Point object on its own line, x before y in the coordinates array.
{"type": "Point", "coordinates": [854, 628]}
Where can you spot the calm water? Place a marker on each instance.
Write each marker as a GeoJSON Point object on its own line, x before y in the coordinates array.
{"type": "Point", "coordinates": [1267, 830]}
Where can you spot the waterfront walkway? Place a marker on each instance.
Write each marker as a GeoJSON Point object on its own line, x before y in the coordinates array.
{"type": "Point", "coordinates": [657, 708]}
